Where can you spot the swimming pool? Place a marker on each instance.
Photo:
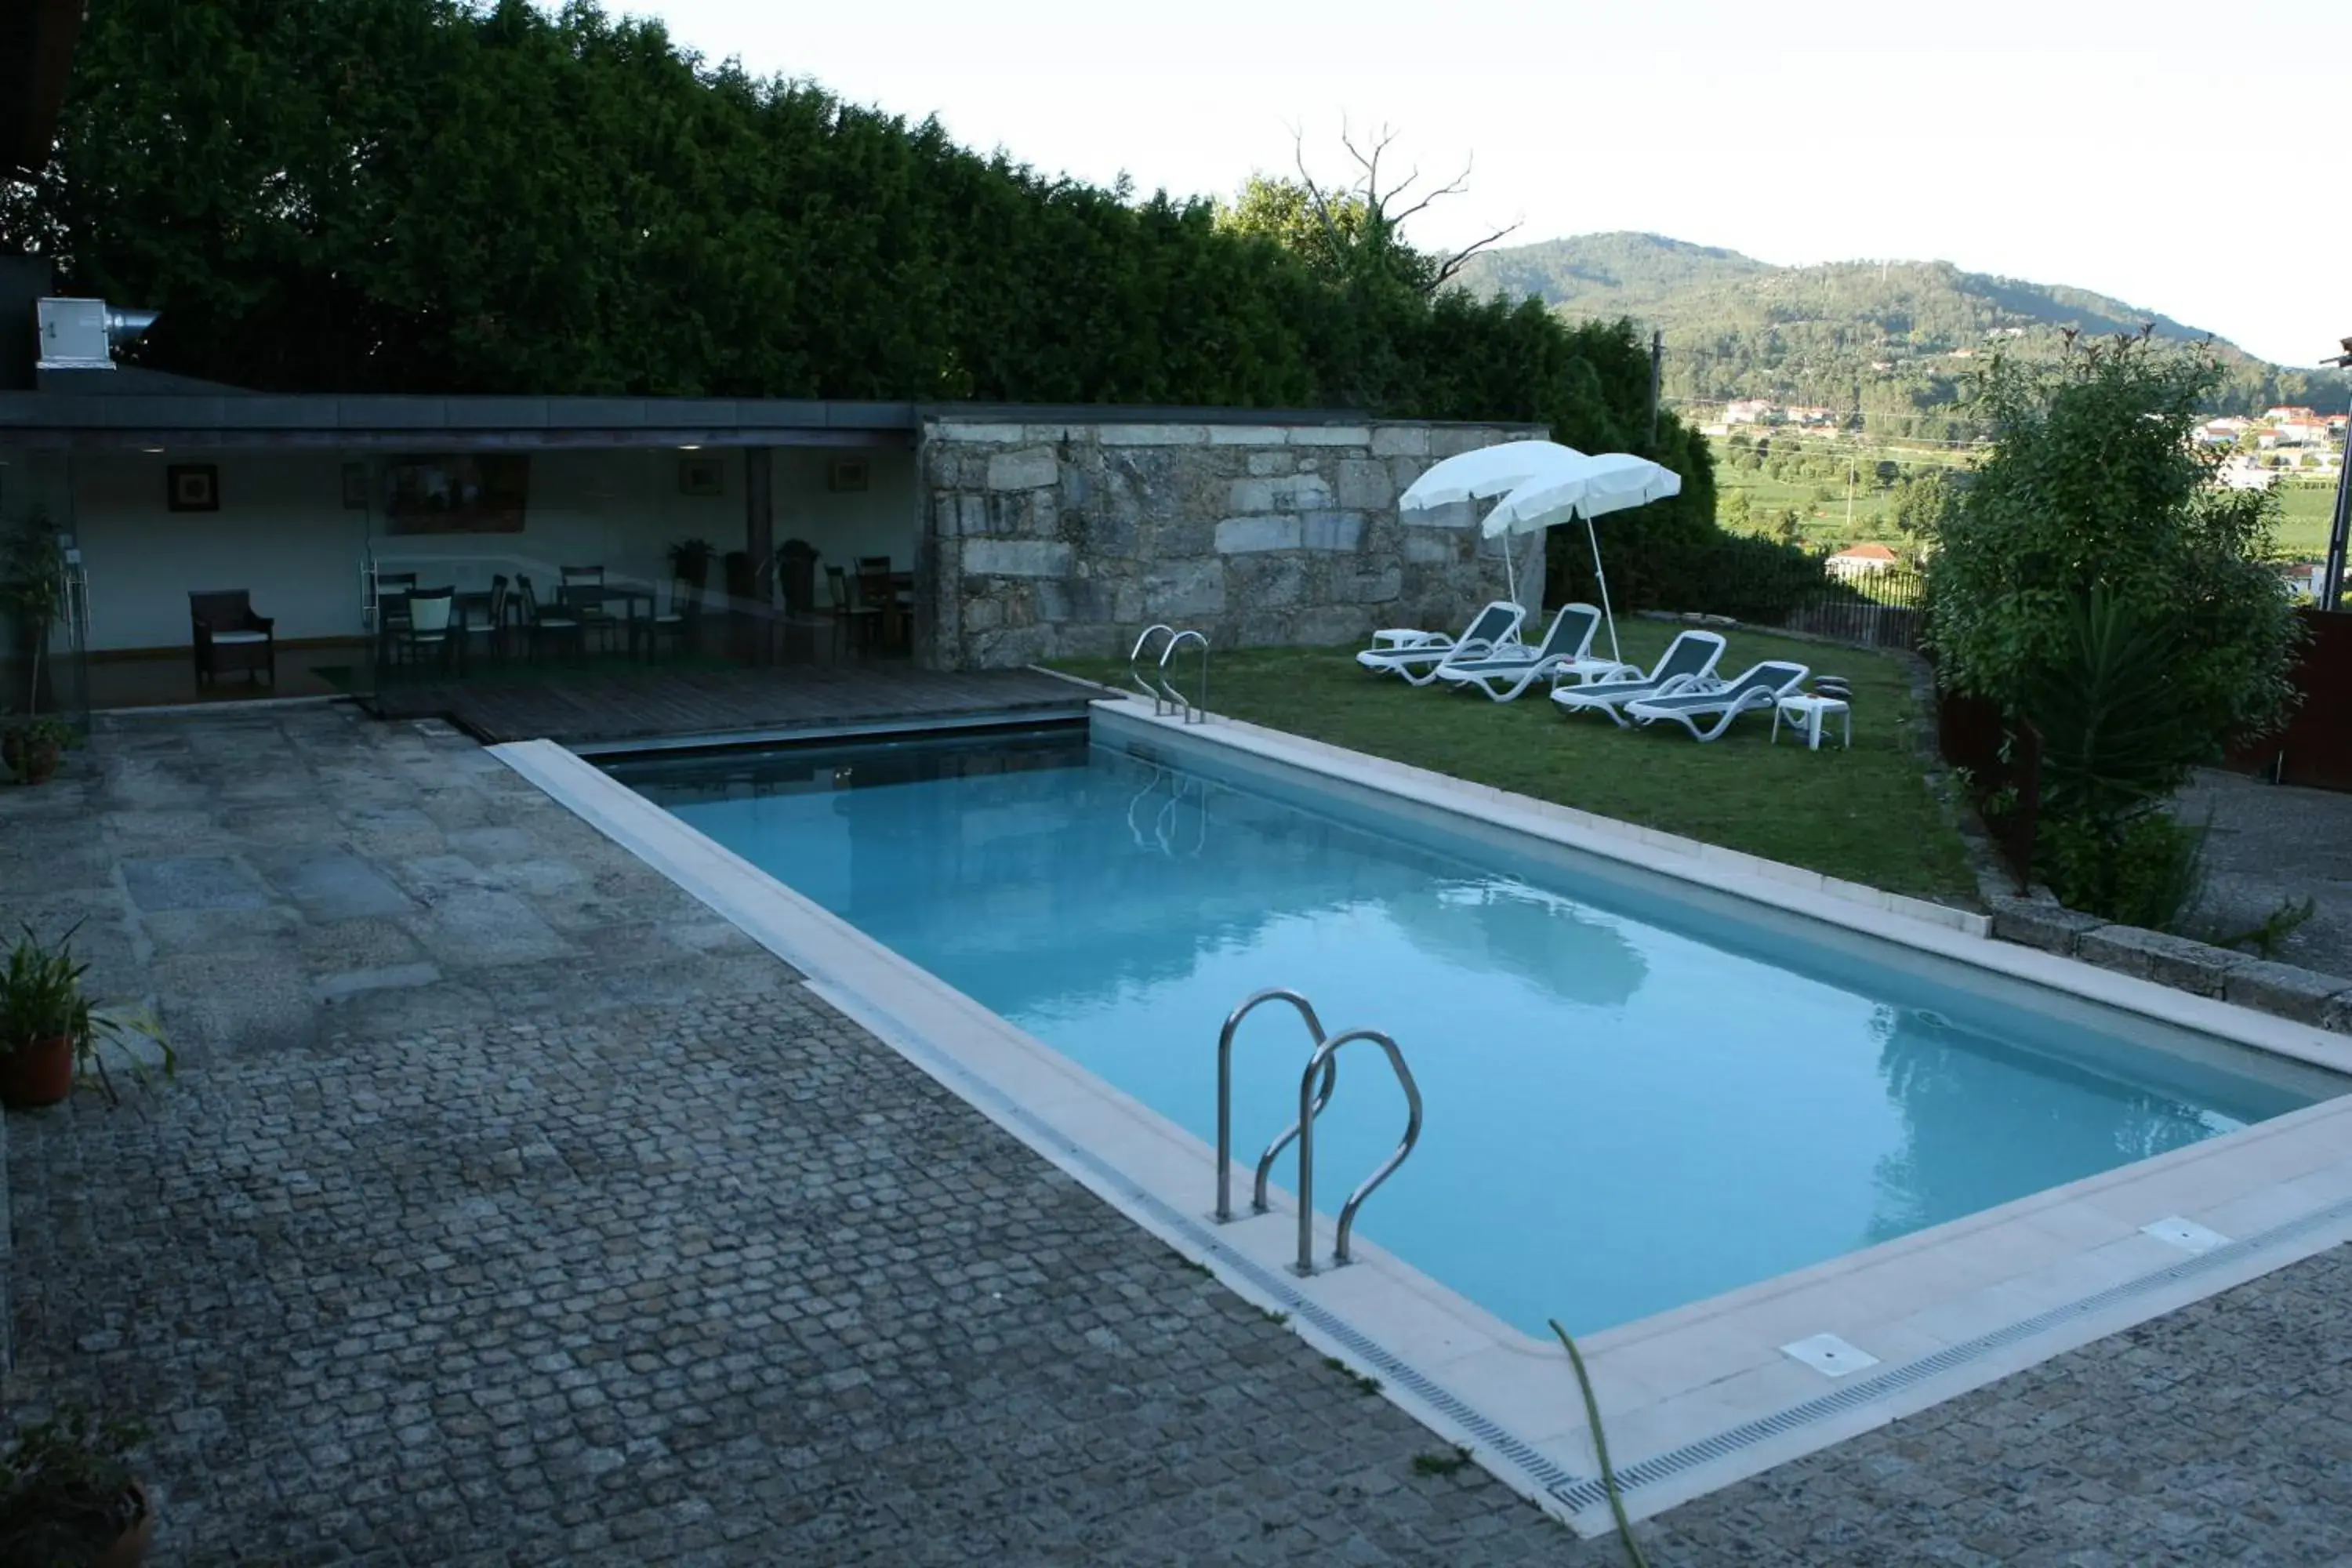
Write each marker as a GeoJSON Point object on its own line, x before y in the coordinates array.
{"type": "Point", "coordinates": [1638, 1095]}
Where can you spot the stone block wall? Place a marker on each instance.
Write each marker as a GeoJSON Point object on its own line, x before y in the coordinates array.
{"type": "Point", "coordinates": [1045, 540]}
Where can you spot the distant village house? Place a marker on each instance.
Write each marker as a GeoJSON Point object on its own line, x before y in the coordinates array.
{"type": "Point", "coordinates": [1862, 561]}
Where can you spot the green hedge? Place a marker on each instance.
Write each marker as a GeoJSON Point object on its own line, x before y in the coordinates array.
{"type": "Point", "coordinates": [419, 195]}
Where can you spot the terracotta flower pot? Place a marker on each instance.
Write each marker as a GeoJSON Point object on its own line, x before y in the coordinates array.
{"type": "Point", "coordinates": [39, 1073]}
{"type": "Point", "coordinates": [129, 1548]}
{"type": "Point", "coordinates": [33, 761]}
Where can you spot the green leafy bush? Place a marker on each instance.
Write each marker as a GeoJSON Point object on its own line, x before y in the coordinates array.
{"type": "Point", "coordinates": [2094, 480]}
{"type": "Point", "coordinates": [2144, 870]}
{"type": "Point", "coordinates": [2094, 583]}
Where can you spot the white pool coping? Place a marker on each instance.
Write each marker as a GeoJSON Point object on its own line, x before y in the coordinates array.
{"type": "Point", "coordinates": [1696, 1398]}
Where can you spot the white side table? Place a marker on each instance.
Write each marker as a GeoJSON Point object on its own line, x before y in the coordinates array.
{"type": "Point", "coordinates": [1399, 637]}
{"type": "Point", "coordinates": [1808, 712]}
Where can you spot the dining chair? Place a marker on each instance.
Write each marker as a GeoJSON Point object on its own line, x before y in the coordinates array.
{"type": "Point", "coordinates": [853, 621]}
{"type": "Point", "coordinates": [679, 622]}
{"type": "Point", "coordinates": [494, 628]}
{"type": "Point", "coordinates": [874, 591]}
{"type": "Point", "coordinates": [550, 626]}
{"type": "Point", "coordinates": [392, 590]}
{"type": "Point", "coordinates": [427, 627]}
{"type": "Point", "coordinates": [225, 635]}
{"type": "Point", "coordinates": [580, 593]}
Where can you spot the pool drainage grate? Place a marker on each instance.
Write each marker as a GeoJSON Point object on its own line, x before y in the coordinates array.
{"type": "Point", "coordinates": [1586, 1494]}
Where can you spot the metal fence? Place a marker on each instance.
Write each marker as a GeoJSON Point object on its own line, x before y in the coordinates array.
{"type": "Point", "coordinates": [1881, 608]}
{"type": "Point", "coordinates": [1877, 605]}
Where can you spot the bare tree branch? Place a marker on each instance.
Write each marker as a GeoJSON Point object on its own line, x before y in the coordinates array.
{"type": "Point", "coordinates": [1452, 264]}
{"type": "Point", "coordinates": [1461, 183]}
{"type": "Point", "coordinates": [1383, 220]}
{"type": "Point", "coordinates": [1315, 194]}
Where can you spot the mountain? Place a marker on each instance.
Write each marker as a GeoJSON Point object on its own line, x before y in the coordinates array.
{"type": "Point", "coordinates": [1894, 340]}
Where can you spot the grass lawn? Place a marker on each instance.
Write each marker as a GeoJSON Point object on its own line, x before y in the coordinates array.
{"type": "Point", "coordinates": [1864, 814]}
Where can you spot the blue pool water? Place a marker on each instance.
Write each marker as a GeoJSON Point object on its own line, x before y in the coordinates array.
{"type": "Point", "coordinates": [1637, 1095]}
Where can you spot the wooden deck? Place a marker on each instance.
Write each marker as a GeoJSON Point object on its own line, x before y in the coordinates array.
{"type": "Point", "coordinates": [624, 711]}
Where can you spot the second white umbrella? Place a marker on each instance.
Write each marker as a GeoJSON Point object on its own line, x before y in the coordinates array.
{"type": "Point", "coordinates": [1588, 488]}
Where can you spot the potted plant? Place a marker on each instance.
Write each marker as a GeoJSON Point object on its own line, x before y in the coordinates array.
{"type": "Point", "coordinates": [32, 589]}
{"type": "Point", "coordinates": [50, 1032]}
{"type": "Point", "coordinates": [30, 747]}
{"type": "Point", "coordinates": [689, 561]}
{"type": "Point", "coordinates": [68, 1495]}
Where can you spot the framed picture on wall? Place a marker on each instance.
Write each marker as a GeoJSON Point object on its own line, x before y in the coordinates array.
{"type": "Point", "coordinates": [702, 477]}
{"type": "Point", "coordinates": [356, 485]}
{"type": "Point", "coordinates": [468, 493]}
{"type": "Point", "coordinates": [192, 487]}
{"type": "Point", "coordinates": [846, 474]}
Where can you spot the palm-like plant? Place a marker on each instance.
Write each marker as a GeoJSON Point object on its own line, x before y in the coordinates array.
{"type": "Point", "coordinates": [2115, 741]}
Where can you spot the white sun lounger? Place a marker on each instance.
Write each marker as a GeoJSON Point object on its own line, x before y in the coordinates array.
{"type": "Point", "coordinates": [1688, 664]}
{"type": "Point", "coordinates": [1493, 630]}
{"type": "Point", "coordinates": [1760, 686]}
{"type": "Point", "coordinates": [1565, 650]}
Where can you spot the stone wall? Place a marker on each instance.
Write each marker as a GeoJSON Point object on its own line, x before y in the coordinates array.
{"type": "Point", "coordinates": [1066, 541]}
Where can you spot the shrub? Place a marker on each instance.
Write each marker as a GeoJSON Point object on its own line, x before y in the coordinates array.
{"type": "Point", "coordinates": [1745, 576]}
{"type": "Point", "coordinates": [2093, 582]}
{"type": "Point", "coordinates": [2094, 480]}
{"type": "Point", "coordinates": [2143, 870]}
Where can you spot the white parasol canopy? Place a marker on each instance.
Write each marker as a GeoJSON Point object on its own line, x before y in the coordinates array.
{"type": "Point", "coordinates": [1588, 488]}
{"type": "Point", "coordinates": [1488, 471]}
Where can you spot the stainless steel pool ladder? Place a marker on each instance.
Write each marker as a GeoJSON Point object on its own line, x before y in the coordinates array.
{"type": "Point", "coordinates": [1322, 1062]}
{"type": "Point", "coordinates": [1155, 683]}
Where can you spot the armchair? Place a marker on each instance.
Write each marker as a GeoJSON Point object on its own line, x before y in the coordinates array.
{"type": "Point", "coordinates": [228, 636]}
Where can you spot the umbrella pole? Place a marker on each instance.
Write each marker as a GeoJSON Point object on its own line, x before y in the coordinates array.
{"type": "Point", "coordinates": [1603, 577]}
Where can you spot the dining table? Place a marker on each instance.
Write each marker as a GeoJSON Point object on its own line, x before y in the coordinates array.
{"type": "Point", "coordinates": [896, 603]}
{"type": "Point", "coordinates": [602, 596]}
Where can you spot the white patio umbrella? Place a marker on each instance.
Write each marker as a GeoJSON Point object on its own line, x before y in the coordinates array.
{"type": "Point", "coordinates": [1488, 471]}
{"type": "Point", "coordinates": [1586, 489]}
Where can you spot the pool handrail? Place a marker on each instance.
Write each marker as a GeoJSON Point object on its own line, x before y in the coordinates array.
{"type": "Point", "coordinates": [1310, 1106]}
{"type": "Point", "coordinates": [1322, 1057]}
{"type": "Point", "coordinates": [1194, 713]}
{"type": "Point", "coordinates": [1136, 678]}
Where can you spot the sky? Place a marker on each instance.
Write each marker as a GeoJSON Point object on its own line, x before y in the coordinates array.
{"type": "Point", "coordinates": [2186, 160]}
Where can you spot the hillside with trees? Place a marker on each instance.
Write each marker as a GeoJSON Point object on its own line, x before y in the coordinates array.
{"type": "Point", "coordinates": [1898, 341]}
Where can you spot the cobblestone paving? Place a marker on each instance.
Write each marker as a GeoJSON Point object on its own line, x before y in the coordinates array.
{"type": "Point", "coordinates": [511, 1209]}
{"type": "Point", "coordinates": [2221, 1432]}
{"type": "Point", "coordinates": [448, 1247]}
